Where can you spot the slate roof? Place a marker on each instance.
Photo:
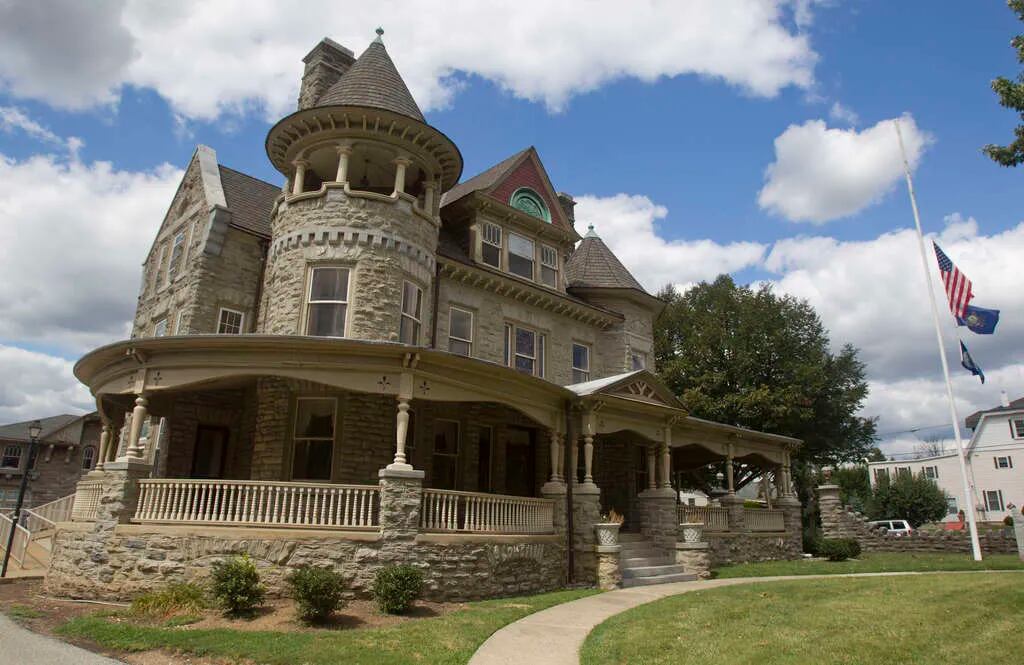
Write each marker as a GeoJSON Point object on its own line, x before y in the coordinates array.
{"type": "Point", "coordinates": [249, 199]}
{"type": "Point", "coordinates": [19, 431]}
{"type": "Point", "coordinates": [593, 265]}
{"type": "Point", "coordinates": [483, 180]}
{"type": "Point", "coordinates": [375, 82]}
{"type": "Point", "coordinates": [974, 418]}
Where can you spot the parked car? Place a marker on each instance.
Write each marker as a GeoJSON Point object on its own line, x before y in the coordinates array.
{"type": "Point", "coordinates": [894, 527]}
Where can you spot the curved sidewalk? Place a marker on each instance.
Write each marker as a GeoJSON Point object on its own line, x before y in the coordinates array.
{"type": "Point", "coordinates": [554, 636]}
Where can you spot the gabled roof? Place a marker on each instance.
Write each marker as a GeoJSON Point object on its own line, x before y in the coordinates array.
{"type": "Point", "coordinates": [51, 424]}
{"type": "Point", "coordinates": [972, 420]}
{"type": "Point", "coordinates": [373, 81]}
{"type": "Point", "coordinates": [641, 385]}
{"type": "Point", "coordinates": [483, 180]}
{"type": "Point", "coordinates": [249, 199]}
{"type": "Point", "coordinates": [593, 265]}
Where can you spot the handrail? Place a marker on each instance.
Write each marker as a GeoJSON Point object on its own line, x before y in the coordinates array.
{"type": "Point", "coordinates": [451, 510]}
{"type": "Point", "coordinates": [714, 518]}
{"type": "Point", "coordinates": [87, 500]}
{"type": "Point", "coordinates": [762, 519]}
{"type": "Point", "coordinates": [22, 537]}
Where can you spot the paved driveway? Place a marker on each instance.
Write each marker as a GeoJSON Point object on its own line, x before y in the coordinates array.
{"type": "Point", "coordinates": [19, 646]}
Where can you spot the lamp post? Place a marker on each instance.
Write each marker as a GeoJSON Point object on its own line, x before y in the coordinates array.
{"type": "Point", "coordinates": [34, 429]}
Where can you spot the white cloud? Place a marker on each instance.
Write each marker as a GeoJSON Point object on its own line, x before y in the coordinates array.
{"type": "Point", "coordinates": [843, 114]}
{"type": "Point", "coordinates": [208, 58]}
{"type": "Point", "coordinates": [72, 238]}
{"type": "Point", "coordinates": [821, 174]}
{"type": "Point", "coordinates": [627, 224]}
{"type": "Point", "coordinates": [44, 386]}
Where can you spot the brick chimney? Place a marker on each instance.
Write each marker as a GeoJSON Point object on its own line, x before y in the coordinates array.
{"type": "Point", "coordinates": [324, 66]}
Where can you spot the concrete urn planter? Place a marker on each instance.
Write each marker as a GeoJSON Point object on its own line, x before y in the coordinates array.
{"type": "Point", "coordinates": [692, 532]}
{"type": "Point", "coordinates": [607, 533]}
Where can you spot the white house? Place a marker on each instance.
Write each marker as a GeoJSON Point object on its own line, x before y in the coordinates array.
{"type": "Point", "coordinates": [995, 463]}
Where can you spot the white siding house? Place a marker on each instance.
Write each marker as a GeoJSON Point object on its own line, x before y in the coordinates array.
{"type": "Point", "coordinates": [995, 465]}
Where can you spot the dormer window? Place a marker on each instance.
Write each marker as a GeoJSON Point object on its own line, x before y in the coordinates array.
{"type": "Point", "coordinates": [530, 202]}
{"type": "Point", "coordinates": [549, 266]}
{"type": "Point", "coordinates": [521, 252]}
{"type": "Point", "coordinates": [491, 247]}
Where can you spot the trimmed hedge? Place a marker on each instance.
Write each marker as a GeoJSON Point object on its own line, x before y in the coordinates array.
{"type": "Point", "coordinates": [236, 585]}
{"type": "Point", "coordinates": [317, 592]}
{"type": "Point", "coordinates": [395, 587]}
{"type": "Point", "coordinates": [838, 549]}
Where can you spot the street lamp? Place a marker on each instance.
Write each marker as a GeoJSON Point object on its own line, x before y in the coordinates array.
{"type": "Point", "coordinates": [35, 428]}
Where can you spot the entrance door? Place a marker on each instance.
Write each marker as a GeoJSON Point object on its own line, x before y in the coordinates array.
{"type": "Point", "coordinates": [520, 461]}
{"type": "Point", "coordinates": [211, 448]}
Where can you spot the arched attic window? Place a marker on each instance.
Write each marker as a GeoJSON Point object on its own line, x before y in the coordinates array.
{"type": "Point", "coordinates": [530, 202]}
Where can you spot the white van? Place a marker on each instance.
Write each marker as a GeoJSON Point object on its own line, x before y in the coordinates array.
{"type": "Point", "coordinates": [894, 527]}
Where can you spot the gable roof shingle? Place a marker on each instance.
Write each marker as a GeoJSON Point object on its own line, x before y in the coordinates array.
{"type": "Point", "coordinates": [249, 199]}
{"type": "Point", "coordinates": [593, 265]}
{"type": "Point", "coordinates": [19, 431]}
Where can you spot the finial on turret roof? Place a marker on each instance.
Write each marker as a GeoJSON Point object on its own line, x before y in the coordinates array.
{"type": "Point", "coordinates": [380, 33]}
{"type": "Point", "coordinates": [591, 233]}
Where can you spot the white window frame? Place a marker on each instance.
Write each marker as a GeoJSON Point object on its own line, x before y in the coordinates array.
{"type": "Point", "coordinates": [903, 470]}
{"type": "Point", "coordinates": [156, 327]}
{"type": "Point", "coordinates": [416, 318]}
{"type": "Point", "coordinates": [220, 321]}
{"type": "Point", "coordinates": [998, 496]}
{"type": "Point", "coordinates": [931, 472]}
{"type": "Point", "coordinates": [955, 505]}
{"type": "Point", "coordinates": [512, 352]}
{"type": "Point", "coordinates": [472, 331]}
{"type": "Point", "coordinates": [177, 323]}
{"type": "Point", "coordinates": [493, 235]}
{"type": "Point", "coordinates": [177, 252]}
{"type": "Point", "coordinates": [88, 457]}
{"type": "Point", "coordinates": [310, 302]}
{"type": "Point", "coordinates": [1017, 428]}
{"type": "Point", "coordinates": [12, 450]}
{"type": "Point", "coordinates": [296, 438]}
{"type": "Point", "coordinates": [549, 260]}
{"type": "Point", "coordinates": [580, 374]}
{"type": "Point", "coordinates": [532, 258]}
{"type": "Point", "coordinates": [880, 472]}
{"type": "Point", "coordinates": [159, 277]}
{"type": "Point", "coordinates": [1000, 459]}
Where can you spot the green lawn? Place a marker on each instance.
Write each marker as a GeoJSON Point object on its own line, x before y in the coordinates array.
{"type": "Point", "coordinates": [927, 620]}
{"type": "Point", "coordinates": [447, 640]}
{"type": "Point", "coordinates": [873, 563]}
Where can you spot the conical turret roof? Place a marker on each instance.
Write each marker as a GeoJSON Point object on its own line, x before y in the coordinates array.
{"type": "Point", "coordinates": [593, 265]}
{"type": "Point", "coordinates": [373, 81]}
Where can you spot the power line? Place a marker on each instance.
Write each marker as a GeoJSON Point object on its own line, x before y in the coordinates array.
{"type": "Point", "coordinates": [913, 430]}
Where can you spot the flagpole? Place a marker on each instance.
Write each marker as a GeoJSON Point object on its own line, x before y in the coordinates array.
{"type": "Point", "coordinates": [969, 503]}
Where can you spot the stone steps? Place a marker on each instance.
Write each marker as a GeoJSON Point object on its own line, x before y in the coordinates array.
{"type": "Point", "coordinates": [662, 579]}
{"type": "Point", "coordinates": [643, 564]}
{"type": "Point", "coordinates": [640, 562]}
{"type": "Point", "coordinates": [653, 571]}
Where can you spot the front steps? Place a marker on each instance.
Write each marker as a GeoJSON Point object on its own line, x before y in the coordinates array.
{"type": "Point", "coordinates": [642, 564]}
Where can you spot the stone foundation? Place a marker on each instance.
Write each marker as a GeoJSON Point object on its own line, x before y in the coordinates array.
{"type": "Point", "coordinates": [748, 547]}
{"type": "Point", "coordinates": [694, 558]}
{"type": "Point", "coordinates": [609, 573]}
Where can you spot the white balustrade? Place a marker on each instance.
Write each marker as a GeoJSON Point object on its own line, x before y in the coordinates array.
{"type": "Point", "coordinates": [46, 516]}
{"type": "Point", "coordinates": [760, 519]}
{"type": "Point", "coordinates": [446, 510]}
{"type": "Point", "coordinates": [86, 501]}
{"type": "Point", "coordinates": [256, 503]}
{"type": "Point", "coordinates": [714, 518]}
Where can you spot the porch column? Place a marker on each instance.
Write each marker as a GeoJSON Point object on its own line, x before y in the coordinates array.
{"type": "Point", "coordinates": [115, 442]}
{"type": "Point", "coordinates": [574, 461]}
{"type": "Point", "coordinates": [400, 165]}
{"type": "Point", "coordinates": [728, 470]}
{"type": "Point", "coordinates": [555, 448]}
{"type": "Point", "coordinates": [139, 415]}
{"type": "Point", "coordinates": [401, 430]}
{"type": "Point", "coordinates": [300, 175]}
{"type": "Point", "coordinates": [786, 482]}
{"type": "Point", "coordinates": [343, 154]}
{"type": "Point", "coordinates": [652, 482]}
{"type": "Point", "coordinates": [101, 455]}
{"type": "Point", "coordinates": [666, 459]}
{"type": "Point", "coordinates": [588, 448]}
{"type": "Point", "coordinates": [429, 195]}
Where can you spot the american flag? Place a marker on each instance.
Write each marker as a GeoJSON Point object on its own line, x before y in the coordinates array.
{"type": "Point", "coordinates": [958, 287]}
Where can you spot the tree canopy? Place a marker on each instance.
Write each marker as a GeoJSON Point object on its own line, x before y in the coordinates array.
{"type": "Point", "coordinates": [748, 356]}
{"type": "Point", "coordinates": [914, 498]}
{"type": "Point", "coordinates": [1011, 96]}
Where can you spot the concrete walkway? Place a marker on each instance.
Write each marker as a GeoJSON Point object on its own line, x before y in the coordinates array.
{"type": "Point", "coordinates": [22, 646]}
{"type": "Point", "coordinates": [554, 636]}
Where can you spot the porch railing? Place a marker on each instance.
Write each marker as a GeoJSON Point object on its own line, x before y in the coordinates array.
{"type": "Point", "coordinates": [46, 516]}
{"type": "Point", "coordinates": [714, 518]}
{"type": "Point", "coordinates": [22, 538]}
{"type": "Point", "coordinates": [86, 501]}
{"type": "Point", "coordinates": [761, 519]}
{"type": "Point", "coordinates": [446, 510]}
{"type": "Point", "coordinates": [240, 503]}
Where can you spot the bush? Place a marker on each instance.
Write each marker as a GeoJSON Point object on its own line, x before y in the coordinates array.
{"type": "Point", "coordinates": [317, 591]}
{"type": "Point", "coordinates": [838, 549]}
{"type": "Point", "coordinates": [1008, 520]}
{"type": "Point", "coordinates": [916, 499]}
{"type": "Point", "coordinates": [811, 536]}
{"type": "Point", "coordinates": [395, 587]}
{"type": "Point", "coordinates": [236, 585]}
{"type": "Point", "coordinates": [172, 600]}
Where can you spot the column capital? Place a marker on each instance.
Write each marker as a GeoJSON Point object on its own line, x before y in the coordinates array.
{"type": "Point", "coordinates": [343, 148]}
{"type": "Point", "coordinates": [303, 163]}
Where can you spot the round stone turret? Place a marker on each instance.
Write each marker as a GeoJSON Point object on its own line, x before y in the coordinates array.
{"type": "Point", "coordinates": [354, 238]}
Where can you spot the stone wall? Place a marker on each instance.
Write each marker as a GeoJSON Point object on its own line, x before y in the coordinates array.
{"type": "Point", "coordinates": [838, 521]}
{"type": "Point", "coordinates": [746, 547]}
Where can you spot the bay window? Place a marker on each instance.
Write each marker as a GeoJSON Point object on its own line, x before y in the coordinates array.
{"type": "Point", "coordinates": [327, 302]}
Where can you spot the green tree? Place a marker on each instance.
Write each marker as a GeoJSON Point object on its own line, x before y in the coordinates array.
{"type": "Point", "coordinates": [1011, 96]}
{"type": "Point", "coordinates": [747, 356]}
{"type": "Point", "coordinates": [854, 486]}
{"type": "Point", "coordinates": [914, 498]}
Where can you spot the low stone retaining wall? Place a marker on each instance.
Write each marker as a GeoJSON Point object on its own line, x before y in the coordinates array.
{"type": "Point", "coordinates": [746, 547]}
{"type": "Point", "coordinates": [139, 558]}
{"type": "Point", "coordinates": [837, 521]}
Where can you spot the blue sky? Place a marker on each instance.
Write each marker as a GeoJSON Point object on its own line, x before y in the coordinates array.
{"type": "Point", "coordinates": [666, 162]}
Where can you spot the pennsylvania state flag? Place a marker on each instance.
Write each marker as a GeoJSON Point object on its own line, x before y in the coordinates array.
{"type": "Point", "coordinates": [968, 362]}
{"type": "Point", "coordinates": [979, 320]}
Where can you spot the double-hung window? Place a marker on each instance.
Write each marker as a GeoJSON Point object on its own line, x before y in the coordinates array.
{"type": "Point", "coordinates": [1003, 462]}
{"type": "Point", "coordinates": [159, 277]}
{"type": "Point", "coordinates": [994, 500]}
{"type": "Point", "coordinates": [11, 458]}
{"type": "Point", "coordinates": [490, 249]}
{"type": "Point", "coordinates": [524, 350]}
{"type": "Point", "coordinates": [160, 328]}
{"type": "Point", "coordinates": [229, 322]}
{"type": "Point", "coordinates": [177, 251]}
{"type": "Point", "coordinates": [951, 507]}
{"type": "Point", "coordinates": [179, 325]}
{"type": "Point", "coordinates": [327, 302]}
{"type": "Point", "coordinates": [931, 472]}
{"type": "Point", "coordinates": [881, 473]}
{"type": "Point", "coordinates": [1017, 428]}
{"type": "Point", "coordinates": [521, 255]}
{"type": "Point", "coordinates": [549, 266]}
{"type": "Point", "coordinates": [444, 472]}
{"type": "Point", "coordinates": [903, 471]}
{"type": "Point", "coordinates": [88, 457]}
{"type": "Point", "coordinates": [580, 363]}
{"type": "Point", "coordinates": [460, 331]}
{"type": "Point", "coordinates": [314, 438]}
{"type": "Point", "coordinates": [412, 304]}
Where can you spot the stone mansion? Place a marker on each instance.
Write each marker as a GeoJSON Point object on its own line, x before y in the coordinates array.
{"type": "Point", "coordinates": [378, 361]}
